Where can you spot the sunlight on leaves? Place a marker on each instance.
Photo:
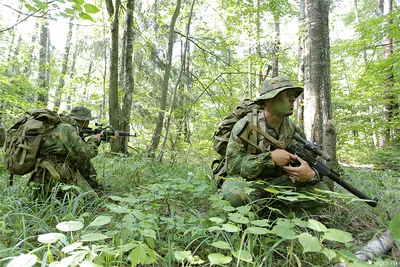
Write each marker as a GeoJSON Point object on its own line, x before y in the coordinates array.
{"type": "Point", "coordinates": [337, 235]}
{"type": "Point", "coordinates": [214, 228]}
{"type": "Point", "coordinates": [50, 238]}
{"type": "Point", "coordinates": [310, 243]}
{"type": "Point", "coordinates": [26, 260]}
{"type": "Point", "coordinates": [69, 226]}
{"type": "Point", "coordinates": [229, 208]}
{"type": "Point", "coordinates": [88, 264]}
{"type": "Point", "coordinates": [89, 8]}
{"type": "Point", "coordinates": [330, 254]}
{"type": "Point", "coordinates": [117, 208]}
{"type": "Point", "coordinates": [221, 245]}
{"type": "Point", "coordinates": [230, 228]}
{"type": "Point", "coordinates": [260, 223]}
{"type": "Point", "coordinates": [93, 237]}
{"type": "Point", "coordinates": [101, 220]}
{"type": "Point", "coordinates": [288, 198]}
{"type": "Point", "coordinates": [243, 255]}
{"type": "Point", "coordinates": [243, 209]}
{"type": "Point", "coordinates": [71, 247]}
{"type": "Point", "coordinates": [218, 258]}
{"type": "Point", "coordinates": [182, 255]}
{"type": "Point", "coordinates": [316, 226]}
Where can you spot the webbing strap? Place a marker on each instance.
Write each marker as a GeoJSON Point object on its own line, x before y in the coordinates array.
{"type": "Point", "coordinates": [263, 126]}
{"type": "Point", "coordinates": [49, 166]}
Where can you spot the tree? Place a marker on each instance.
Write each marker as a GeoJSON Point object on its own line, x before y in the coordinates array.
{"type": "Point", "coordinates": [318, 124]}
{"type": "Point", "coordinates": [164, 89]}
{"type": "Point", "coordinates": [43, 66]}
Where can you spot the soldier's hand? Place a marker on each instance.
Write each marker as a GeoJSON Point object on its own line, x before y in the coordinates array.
{"type": "Point", "coordinates": [97, 137]}
{"type": "Point", "coordinates": [300, 174]}
{"type": "Point", "coordinates": [281, 157]}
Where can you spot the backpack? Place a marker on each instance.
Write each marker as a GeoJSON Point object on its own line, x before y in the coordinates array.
{"type": "Point", "coordinates": [24, 138]}
{"type": "Point", "coordinates": [221, 135]}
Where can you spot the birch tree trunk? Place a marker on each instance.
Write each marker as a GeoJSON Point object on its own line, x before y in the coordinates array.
{"type": "Point", "coordinates": [318, 124]}
{"type": "Point", "coordinates": [129, 81]}
{"type": "Point", "coordinates": [61, 81]}
{"type": "Point", "coordinates": [42, 81]}
{"type": "Point", "coordinates": [300, 65]}
{"type": "Point", "coordinates": [164, 89]}
{"type": "Point", "coordinates": [275, 49]}
{"type": "Point", "coordinates": [113, 111]}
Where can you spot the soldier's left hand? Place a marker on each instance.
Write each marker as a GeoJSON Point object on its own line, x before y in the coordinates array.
{"type": "Point", "coordinates": [300, 174]}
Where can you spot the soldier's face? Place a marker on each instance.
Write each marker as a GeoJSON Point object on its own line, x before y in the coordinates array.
{"type": "Point", "coordinates": [283, 104]}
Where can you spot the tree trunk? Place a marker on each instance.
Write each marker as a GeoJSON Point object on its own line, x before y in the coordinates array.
{"type": "Point", "coordinates": [113, 77]}
{"type": "Point", "coordinates": [42, 81]}
{"type": "Point", "coordinates": [300, 66]}
{"type": "Point", "coordinates": [275, 50]}
{"type": "Point", "coordinates": [318, 124]}
{"type": "Point", "coordinates": [72, 94]}
{"type": "Point", "coordinates": [387, 114]}
{"type": "Point", "coordinates": [27, 68]}
{"type": "Point", "coordinates": [161, 114]}
{"type": "Point", "coordinates": [178, 83]}
{"type": "Point", "coordinates": [61, 81]}
{"type": "Point", "coordinates": [129, 81]}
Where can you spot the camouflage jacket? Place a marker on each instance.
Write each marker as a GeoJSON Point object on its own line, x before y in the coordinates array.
{"type": "Point", "coordinates": [65, 144]}
{"type": "Point", "coordinates": [256, 166]}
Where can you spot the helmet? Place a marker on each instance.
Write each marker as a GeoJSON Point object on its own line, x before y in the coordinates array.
{"type": "Point", "coordinates": [81, 114]}
{"type": "Point", "coordinates": [271, 87]}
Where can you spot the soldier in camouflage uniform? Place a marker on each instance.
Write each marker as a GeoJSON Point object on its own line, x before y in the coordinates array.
{"type": "Point", "coordinates": [270, 167]}
{"type": "Point", "coordinates": [65, 156]}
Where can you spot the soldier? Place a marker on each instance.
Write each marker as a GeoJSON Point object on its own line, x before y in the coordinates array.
{"type": "Point", "coordinates": [271, 167]}
{"type": "Point", "coordinates": [65, 156]}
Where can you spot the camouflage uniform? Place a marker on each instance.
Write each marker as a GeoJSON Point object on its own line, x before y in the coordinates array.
{"type": "Point", "coordinates": [65, 156]}
{"type": "Point", "coordinates": [259, 167]}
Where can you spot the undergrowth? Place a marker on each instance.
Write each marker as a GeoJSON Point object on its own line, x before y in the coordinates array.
{"type": "Point", "coordinates": [171, 214]}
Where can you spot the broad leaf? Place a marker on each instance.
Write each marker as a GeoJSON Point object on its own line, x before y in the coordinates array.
{"type": "Point", "coordinates": [310, 243]}
{"type": "Point", "coordinates": [93, 237]}
{"type": "Point", "coordinates": [71, 247]}
{"type": "Point", "coordinates": [330, 254]}
{"type": "Point", "coordinates": [338, 235]}
{"type": "Point", "coordinates": [260, 222]}
{"type": "Point", "coordinates": [182, 255]}
{"type": "Point", "coordinates": [257, 230]}
{"type": "Point", "coordinates": [216, 220]}
{"type": "Point", "coordinates": [284, 232]}
{"type": "Point", "coordinates": [238, 218]}
{"type": "Point", "coordinates": [230, 228]}
{"type": "Point", "coordinates": [26, 260]}
{"type": "Point", "coordinates": [50, 238]}
{"type": "Point", "coordinates": [89, 8]}
{"type": "Point", "coordinates": [221, 245]}
{"type": "Point", "coordinates": [69, 226]}
{"type": "Point", "coordinates": [217, 259]}
{"type": "Point", "coordinates": [316, 226]}
{"type": "Point", "coordinates": [101, 220]}
{"type": "Point", "coordinates": [243, 255]}
{"type": "Point", "coordinates": [394, 227]}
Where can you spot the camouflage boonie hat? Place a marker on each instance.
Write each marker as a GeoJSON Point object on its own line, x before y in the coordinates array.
{"type": "Point", "coordinates": [82, 114]}
{"type": "Point", "coordinates": [271, 87]}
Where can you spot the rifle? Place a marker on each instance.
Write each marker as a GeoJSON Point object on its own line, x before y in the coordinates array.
{"type": "Point", "coordinates": [308, 152]}
{"type": "Point", "coordinates": [107, 131]}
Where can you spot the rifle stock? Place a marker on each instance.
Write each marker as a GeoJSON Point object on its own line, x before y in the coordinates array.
{"type": "Point", "coordinates": [313, 162]}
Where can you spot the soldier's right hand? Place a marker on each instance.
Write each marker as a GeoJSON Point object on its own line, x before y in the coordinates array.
{"type": "Point", "coordinates": [97, 137]}
{"type": "Point", "coordinates": [282, 158]}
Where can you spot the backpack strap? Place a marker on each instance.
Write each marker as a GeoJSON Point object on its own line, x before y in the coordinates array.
{"type": "Point", "coordinates": [263, 126]}
{"type": "Point", "coordinates": [252, 117]}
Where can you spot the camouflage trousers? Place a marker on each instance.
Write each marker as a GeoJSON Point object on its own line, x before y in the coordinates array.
{"type": "Point", "coordinates": [275, 197]}
{"type": "Point", "coordinates": [51, 172]}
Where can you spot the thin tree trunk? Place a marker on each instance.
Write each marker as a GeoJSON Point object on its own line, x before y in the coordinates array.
{"type": "Point", "coordinates": [113, 77]}
{"type": "Point", "coordinates": [129, 81]}
{"type": "Point", "coordinates": [27, 68]}
{"type": "Point", "coordinates": [300, 65]}
{"type": "Point", "coordinates": [64, 66]}
{"type": "Point", "coordinates": [43, 85]}
{"type": "Point", "coordinates": [178, 82]}
{"type": "Point", "coordinates": [275, 51]}
{"type": "Point", "coordinates": [318, 124]}
{"type": "Point", "coordinates": [161, 114]}
{"type": "Point", "coordinates": [72, 94]}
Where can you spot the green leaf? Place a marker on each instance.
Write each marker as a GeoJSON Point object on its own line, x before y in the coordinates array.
{"type": "Point", "coordinates": [50, 238]}
{"type": "Point", "coordinates": [216, 220]}
{"type": "Point", "coordinates": [316, 226]}
{"type": "Point", "coordinates": [31, 8]}
{"type": "Point", "coordinates": [69, 11]}
{"type": "Point", "coordinates": [283, 231]}
{"type": "Point", "coordinates": [217, 258]}
{"type": "Point", "coordinates": [229, 208]}
{"type": "Point", "coordinates": [101, 220]}
{"type": "Point", "coordinates": [89, 8]}
{"type": "Point", "coordinates": [26, 260]}
{"type": "Point", "coordinates": [79, 2]}
{"type": "Point", "coordinates": [182, 255]}
{"type": "Point", "coordinates": [148, 233]}
{"type": "Point", "coordinates": [117, 208]}
{"type": "Point", "coordinates": [71, 247]}
{"type": "Point", "coordinates": [138, 255]}
{"type": "Point", "coordinates": [230, 228]}
{"type": "Point", "coordinates": [85, 16]}
{"type": "Point", "coordinates": [238, 218]}
{"type": "Point", "coordinates": [272, 190]}
{"type": "Point", "coordinates": [394, 227]}
{"type": "Point", "coordinates": [69, 226]}
{"type": "Point", "coordinates": [138, 214]}
{"type": "Point", "coordinates": [330, 254]}
{"type": "Point", "coordinates": [243, 255]}
{"type": "Point", "coordinates": [87, 263]}
{"type": "Point", "coordinates": [288, 198]}
{"type": "Point", "coordinates": [93, 237]}
{"type": "Point", "coordinates": [257, 230]}
{"type": "Point", "coordinates": [243, 209]}
{"type": "Point", "coordinates": [221, 245]}
{"type": "Point", "coordinates": [310, 243]}
{"type": "Point", "coordinates": [214, 228]}
{"type": "Point", "coordinates": [338, 235]}
{"type": "Point", "coordinates": [260, 223]}
{"type": "Point", "coordinates": [347, 255]}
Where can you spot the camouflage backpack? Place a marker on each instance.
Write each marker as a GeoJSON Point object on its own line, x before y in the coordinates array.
{"type": "Point", "coordinates": [221, 136]}
{"type": "Point", "coordinates": [24, 139]}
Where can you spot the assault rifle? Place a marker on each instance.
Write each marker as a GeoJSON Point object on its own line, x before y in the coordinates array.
{"type": "Point", "coordinates": [308, 152]}
{"type": "Point", "coordinates": [107, 131]}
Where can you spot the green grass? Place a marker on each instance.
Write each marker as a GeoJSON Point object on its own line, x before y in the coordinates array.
{"type": "Point", "coordinates": [171, 214]}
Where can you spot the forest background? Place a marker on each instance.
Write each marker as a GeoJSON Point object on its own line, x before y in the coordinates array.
{"type": "Point", "coordinates": [170, 71]}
